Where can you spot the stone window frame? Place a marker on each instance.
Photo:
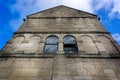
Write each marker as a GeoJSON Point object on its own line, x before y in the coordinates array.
{"type": "Point", "coordinates": [51, 44]}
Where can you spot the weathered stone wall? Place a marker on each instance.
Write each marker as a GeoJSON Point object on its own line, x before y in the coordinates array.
{"type": "Point", "coordinates": [95, 43]}
{"type": "Point", "coordinates": [59, 68]}
{"type": "Point", "coordinates": [62, 24]}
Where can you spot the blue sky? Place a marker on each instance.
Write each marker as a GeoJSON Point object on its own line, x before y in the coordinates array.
{"type": "Point", "coordinates": [14, 11]}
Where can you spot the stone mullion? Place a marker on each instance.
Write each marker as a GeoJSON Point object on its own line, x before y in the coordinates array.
{"type": "Point", "coordinates": [60, 45]}
{"type": "Point", "coordinates": [60, 48]}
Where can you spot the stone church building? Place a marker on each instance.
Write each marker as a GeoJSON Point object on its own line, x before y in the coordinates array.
{"type": "Point", "coordinates": [60, 43]}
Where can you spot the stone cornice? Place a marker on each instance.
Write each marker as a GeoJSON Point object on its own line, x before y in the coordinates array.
{"type": "Point", "coordinates": [62, 32]}
{"type": "Point", "coordinates": [57, 17]}
{"type": "Point", "coordinates": [43, 55]}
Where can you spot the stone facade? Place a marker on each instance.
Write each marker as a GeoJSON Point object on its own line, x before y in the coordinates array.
{"type": "Point", "coordinates": [59, 68]}
{"type": "Point", "coordinates": [97, 58]}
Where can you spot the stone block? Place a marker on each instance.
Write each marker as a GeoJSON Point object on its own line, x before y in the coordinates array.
{"type": "Point", "coordinates": [23, 78]}
{"type": "Point", "coordinates": [60, 72]}
{"type": "Point", "coordinates": [73, 72]}
{"type": "Point", "coordinates": [102, 52]}
{"type": "Point", "coordinates": [100, 78]}
{"type": "Point", "coordinates": [59, 77]}
{"type": "Point", "coordinates": [110, 74]}
{"type": "Point", "coordinates": [108, 65]}
{"type": "Point", "coordinates": [45, 78]}
{"type": "Point", "coordinates": [24, 72]}
{"type": "Point", "coordinates": [5, 73]}
{"type": "Point", "coordinates": [43, 73]}
{"type": "Point", "coordinates": [82, 78]}
{"type": "Point", "coordinates": [108, 71]}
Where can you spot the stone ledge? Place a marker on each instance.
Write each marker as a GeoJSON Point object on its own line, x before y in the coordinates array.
{"type": "Point", "coordinates": [62, 32]}
{"type": "Point", "coordinates": [93, 56]}
{"type": "Point", "coordinates": [52, 55]}
{"type": "Point", "coordinates": [27, 55]}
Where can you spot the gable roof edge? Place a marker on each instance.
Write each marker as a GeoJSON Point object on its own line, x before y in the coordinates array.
{"type": "Point", "coordinates": [63, 6]}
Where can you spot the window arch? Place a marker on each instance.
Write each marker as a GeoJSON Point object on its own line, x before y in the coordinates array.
{"type": "Point", "coordinates": [87, 45]}
{"type": "Point", "coordinates": [70, 45]}
{"type": "Point", "coordinates": [33, 45]}
{"type": "Point", "coordinates": [35, 39]}
{"type": "Point", "coordinates": [51, 44]}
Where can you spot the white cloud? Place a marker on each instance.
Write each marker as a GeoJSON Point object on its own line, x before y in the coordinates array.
{"type": "Point", "coordinates": [116, 36]}
{"type": "Point", "coordinates": [99, 4]}
{"type": "Point", "coordinates": [116, 9]}
{"type": "Point", "coordinates": [26, 7]}
{"type": "Point", "coordinates": [45, 4]}
{"type": "Point", "coordinates": [111, 6]}
{"type": "Point", "coordinates": [85, 5]}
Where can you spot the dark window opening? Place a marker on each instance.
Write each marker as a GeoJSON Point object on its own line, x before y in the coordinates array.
{"type": "Point", "coordinates": [70, 45]}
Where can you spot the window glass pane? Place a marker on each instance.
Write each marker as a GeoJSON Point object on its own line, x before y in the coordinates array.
{"type": "Point", "coordinates": [70, 50]}
{"type": "Point", "coordinates": [69, 40]}
{"type": "Point", "coordinates": [50, 48]}
{"type": "Point", "coordinates": [52, 40]}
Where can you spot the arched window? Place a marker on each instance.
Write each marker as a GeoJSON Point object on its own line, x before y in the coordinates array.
{"type": "Point", "coordinates": [70, 45]}
{"type": "Point", "coordinates": [51, 44]}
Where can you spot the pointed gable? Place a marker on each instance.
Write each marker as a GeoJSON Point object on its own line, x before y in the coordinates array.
{"type": "Point", "coordinates": [61, 19]}
{"type": "Point", "coordinates": [61, 11]}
